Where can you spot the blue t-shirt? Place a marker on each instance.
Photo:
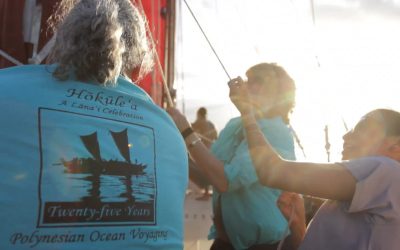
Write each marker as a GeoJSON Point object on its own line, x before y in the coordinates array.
{"type": "Point", "coordinates": [249, 211]}
{"type": "Point", "coordinates": [85, 166]}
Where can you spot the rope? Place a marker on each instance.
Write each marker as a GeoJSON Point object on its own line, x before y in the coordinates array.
{"type": "Point", "coordinates": [312, 6]}
{"type": "Point", "coordinates": [10, 58]}
{"type": "Point", "coordinates": [345, 125]}
{"type": "Point", "coordinates": [327, 144]}
{"type": "Point", "coordinates": [153, 46]}
{"type": "Point", "coordinates": [297, 140]}
{"type": "Point", "coordinates": [208, 41]}
{"type": "Point", "coordinates": [38, 58]}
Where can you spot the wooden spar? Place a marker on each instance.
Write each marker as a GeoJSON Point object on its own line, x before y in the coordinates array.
{"type": "Point", "coordinates": [157, 58]}
{"type": "Point", "coordinates": [170, 43]}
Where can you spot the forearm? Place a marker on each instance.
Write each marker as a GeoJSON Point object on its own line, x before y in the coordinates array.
{"type": "Point", "coordinates": [265, 159]}
{"type": "Point", "coordinates": [327, 181]}
{"type": "Point", "coordinates": [209, 165]}
{"type": "Point", "coordinates": [322, 180]}
{"type": "Point", "coordinates": [298, 231]}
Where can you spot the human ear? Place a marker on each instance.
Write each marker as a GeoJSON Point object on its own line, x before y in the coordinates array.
{"type": "Point", "coordinates": [394, 148]}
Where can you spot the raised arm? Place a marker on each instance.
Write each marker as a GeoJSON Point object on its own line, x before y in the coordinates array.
{"type": "Point", "coordinates": [210, 166]}
{"type": "Point", "coordinates": [329, 181]}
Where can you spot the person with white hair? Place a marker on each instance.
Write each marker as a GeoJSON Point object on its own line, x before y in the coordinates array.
{"type": "Point", "coordinates": [87, 160]}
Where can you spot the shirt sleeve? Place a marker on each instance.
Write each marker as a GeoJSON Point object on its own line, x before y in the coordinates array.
{"type": "Point", "coordinates": [240, 171]}
{"type": "Point", "coordinates": [377, 187]}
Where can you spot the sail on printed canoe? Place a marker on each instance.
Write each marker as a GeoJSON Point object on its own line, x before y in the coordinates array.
{"type": "Point", "coordinates": [121, 140]}
{"type": "Point", "coordinates": [96, 165]}
{"type": "Point", "coordinates": [92, 145]}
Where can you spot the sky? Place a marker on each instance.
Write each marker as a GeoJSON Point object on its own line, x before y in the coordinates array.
{"type": "Point", "coordinates": [343, 55]}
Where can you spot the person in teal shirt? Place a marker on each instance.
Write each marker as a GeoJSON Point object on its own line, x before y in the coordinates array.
{"type": "Point", "coordinates": [245, 212]}
{"type": "Point", "coordinates": [87, 160]}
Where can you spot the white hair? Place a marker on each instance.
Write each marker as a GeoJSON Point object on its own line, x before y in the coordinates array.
{"type": "Point", "coordinates": [98, 40]}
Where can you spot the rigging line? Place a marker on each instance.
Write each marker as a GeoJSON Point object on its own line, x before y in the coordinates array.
{"type": "Point", "coordinates": [208, 41]}
{"type": "Point", "coordinates": [312, 6]}
{"type": "Point", "coordinates": [179, 45]}
{"type": "Point", "coordinates": [10, 58]}
{"type": "Point", "coordinates": [316, 57]}
{"type": "Point", "coordinates": [312, 12]}
{"type": "Point", "coordinates": [312, 9]}
{"type": "Point", "coordinates": [326, 129]}
{"type": "Point", "coordinates": [345, 125]}
{"type": "Point", "coordinates": [296, 137]}
{"type": "Point", "coordinates": [246, 31]}
{"type": "Point", "coordinates": [153, 48]}
{"type": "Point", "coordinates": [327, 144]}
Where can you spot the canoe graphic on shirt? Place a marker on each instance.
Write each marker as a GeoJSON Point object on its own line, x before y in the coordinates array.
{"type": "Point", "coordinates": [97, 165]}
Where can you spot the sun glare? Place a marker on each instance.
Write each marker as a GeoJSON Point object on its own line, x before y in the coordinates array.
{"type": "Point", "coordinates": [344, 61]}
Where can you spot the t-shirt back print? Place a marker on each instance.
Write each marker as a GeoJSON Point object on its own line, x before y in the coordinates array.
{"type": "Point", "coordinates": [98, 172]}
{"type": "Point", "coordinates": [88, 167]}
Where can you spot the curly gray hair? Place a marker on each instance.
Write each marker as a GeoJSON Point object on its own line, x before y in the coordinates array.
{"type": "Point", "coordinates": [99, 40]}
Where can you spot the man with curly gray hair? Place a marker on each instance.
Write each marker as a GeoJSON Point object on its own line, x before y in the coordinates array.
{"type": "Point", "coordinates": [99, 40]}
{"type": "Point", "coordinates": [87, 160]}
